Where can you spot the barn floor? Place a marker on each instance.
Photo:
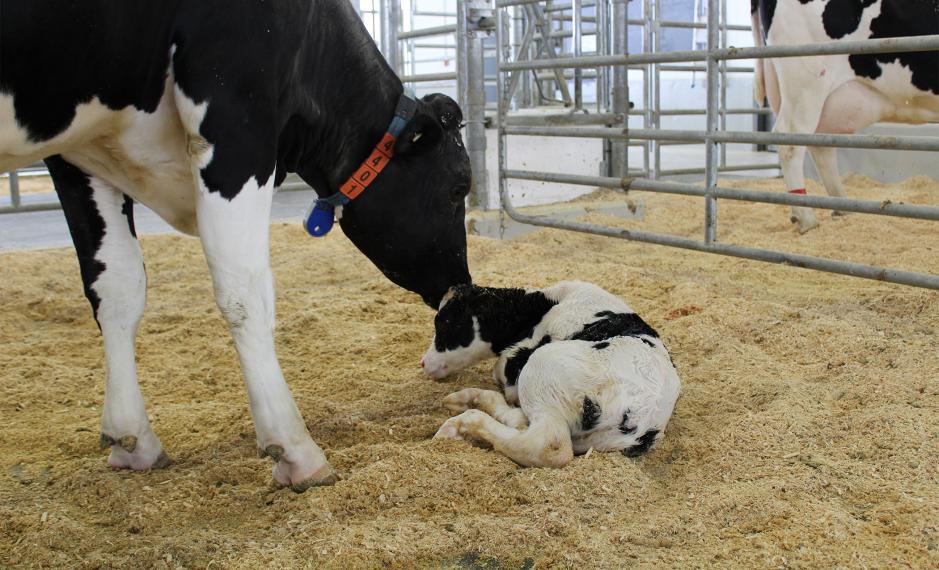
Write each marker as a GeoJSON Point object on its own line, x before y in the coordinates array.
{"type": "Point", "coordinates": [806, 435]}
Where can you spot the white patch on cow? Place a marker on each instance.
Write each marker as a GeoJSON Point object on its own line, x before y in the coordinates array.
{"type": "Point", "coordinates": [122, 291]}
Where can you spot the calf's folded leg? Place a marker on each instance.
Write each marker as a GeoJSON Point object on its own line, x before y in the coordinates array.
{"type": "Point", "coordinates": [545, 443]}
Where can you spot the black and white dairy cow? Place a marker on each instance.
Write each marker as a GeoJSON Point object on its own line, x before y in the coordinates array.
{"type": "Point", "coordinates": [841, 94]}
{"type": "Point", "coordinates": [578, 368]}
{"type": "Point", "coordinates": [199, 110]}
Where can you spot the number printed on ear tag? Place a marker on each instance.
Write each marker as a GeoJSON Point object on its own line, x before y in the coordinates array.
{"type": "Point", "coordinates": [319, 220]}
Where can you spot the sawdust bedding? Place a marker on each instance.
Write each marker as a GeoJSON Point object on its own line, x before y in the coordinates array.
{"type": "Point", "coordinates": [806, 434]}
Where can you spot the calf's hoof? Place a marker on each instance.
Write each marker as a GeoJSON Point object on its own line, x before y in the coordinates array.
{"type": "Point", "coordinates": [299, 470]}
{"type": "Point", "coordinates": [138, 454]}
{"type": "Point", "coordinates": [449, 430]}
{"type": "Point", "coordinates": [461, 401]}
{"type": "Point", "coordinates": [804, 225]}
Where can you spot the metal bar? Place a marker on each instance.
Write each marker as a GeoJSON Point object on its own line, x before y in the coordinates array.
{"type": "Point", "coordinates": [389, 33]}
{"type": "Point", "coordinates": [474, 97]}
{"type": "Point", "coordinates": [565, 119]}
{"type": "Point", "coordinates": [655, 147]}
{"type": "Point", "coordinates": [576, 18]}
{"type": "Point", "coordinates": [436, 14]}
{"type": "Point", "coordinates": [728, 168]}
{"type": "Point", "coordinates": [620, 87]}
{"type": "Point", "coordinates": [502, 53]}
{"type": "Point", "coordinates": [690, 25]}
{"type": "Point", "coordinates": [704, 68]}
{"type": "Point", "coordinates": [38, 207]}
{"type": "Point", "coordinates": [425, 77]}
{"type": "Point", "coordinates": [14, 179]}
{"type": "Point", "coordinates": [733, 111]}
{"type": "Point", "coordinates": [882, 208]}
{"type": "Point", "coordinates": [710, 146]}
{"type": "Point", "coordinates": [797, 139]}
{"type": "Point", "coordinates": [791, 259]}
{"type": "Point", "coordinates": [723, 79]}
{"type": "Point", "coordinates": [537, 17]}
{"type": "Point", "coordinates": [520, 54]}
{"type": "Point", "coordinates": [840, 47]}
{"type": "Point", "coordinates": [426, 32]}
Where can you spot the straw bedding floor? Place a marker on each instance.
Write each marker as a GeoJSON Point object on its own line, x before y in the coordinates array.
{"type": "Point", "coordinates": [806, 434]}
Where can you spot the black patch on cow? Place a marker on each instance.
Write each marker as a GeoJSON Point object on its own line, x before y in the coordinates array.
{"type": "Point", "coordinates": [842, 17]}
{"type": "Point", "coordinates": [612, 325]}
{"type": "Point", "coordinates": [601, 345]}
{"type": "Point", "coordinates": [515, 364]}
{"type": "Point", "coordinates": [624, 425]}
{"type": "Point", "coordinates": [590, 415]}
{"type": "Point", "coordinates": [127, 208]}
{"type": "Point", "coordinates": [904, 18]}
{"type": "Point", "coordinates": [767, 10]}
{"type": "Point", "coordinates": [642, 445]}
{"type": "Point", "coordinates": [84, 221]}
{"type": "Point", "coordinates": [506, 316]}
{"type": "Point", "coordinates": [647, 341]}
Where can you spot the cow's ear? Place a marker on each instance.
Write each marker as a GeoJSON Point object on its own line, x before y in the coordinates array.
{"type": "Point", "coordinates": [421, 134]}
{"type": "Point", "coordinates": [446, 109]}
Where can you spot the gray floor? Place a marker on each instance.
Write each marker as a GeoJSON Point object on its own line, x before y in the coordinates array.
{"type": "Point", "coordinates": [40, 230]}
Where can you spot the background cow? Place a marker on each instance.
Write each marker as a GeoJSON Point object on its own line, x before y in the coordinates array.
{"type": "Point", "coordinates": [199, 110]}
{"type": "Point", "coordinates": [841, 94]}
{"type": "Point", "coordinates": [583, 368]}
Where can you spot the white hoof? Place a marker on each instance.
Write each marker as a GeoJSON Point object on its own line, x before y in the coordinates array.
{"type": "Point", "coordinates": [139, 454]}
{"type": "Point", "coordinates": [300, 468]}
{"type": "Point", "coordinates": [449, 430]}
{"type": "Point", "coordinates": [459, 402]}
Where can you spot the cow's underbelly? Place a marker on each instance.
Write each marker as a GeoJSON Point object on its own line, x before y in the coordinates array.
{"type": "Point", "coordinates": [909, 104]}
{"type": "Point", "coordinates": [141, 154]}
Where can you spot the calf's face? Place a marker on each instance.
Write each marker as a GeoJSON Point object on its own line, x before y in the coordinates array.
{"type": "Point", "coordinates": [457, 341]}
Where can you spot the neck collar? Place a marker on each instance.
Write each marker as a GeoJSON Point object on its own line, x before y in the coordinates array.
{"type": "Point", "coordinates": [320, 216]}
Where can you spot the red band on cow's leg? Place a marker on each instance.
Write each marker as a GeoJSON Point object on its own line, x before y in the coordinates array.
{"type": "Point", "coordinates": [797, 191]}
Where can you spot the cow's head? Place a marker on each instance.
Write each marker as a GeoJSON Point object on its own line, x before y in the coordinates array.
{"type": "Point", "coordinates": [410, 221]}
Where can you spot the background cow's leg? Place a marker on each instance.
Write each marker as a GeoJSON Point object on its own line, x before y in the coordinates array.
{"type": "Point", "coordinates": [826, 163]}
{"type": "Point", "coordinates": [233, 226]}
{"type": "Point", "coordinates": [100, 219]}
{"type": "Point", "coordinates": [545, 443]}
{"type": "Point", "coordinates": [489, 401]}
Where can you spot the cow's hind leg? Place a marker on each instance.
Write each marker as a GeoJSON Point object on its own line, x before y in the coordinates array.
{"type": "Point", "coordinates": [826, 163]}
{"type": "Point", "coordinates": [100, 219]}
{"type": "Point", "coordinates": [545, 443]}
{"type": "Point", "coordinates": [489, 401]}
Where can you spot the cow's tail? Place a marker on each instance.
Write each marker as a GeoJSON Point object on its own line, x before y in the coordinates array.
{"type": "Point", "coordinates": [759, 82]}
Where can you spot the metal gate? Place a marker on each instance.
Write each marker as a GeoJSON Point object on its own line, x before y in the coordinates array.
{"type": "Point", "coordinates": [614, 128]}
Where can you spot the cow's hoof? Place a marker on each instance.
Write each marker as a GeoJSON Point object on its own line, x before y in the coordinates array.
{"type": "Point", "coordinates": [138, 454]}
{"type": "Point", "coordinates": [805, 225]}
{"type": "Point", "coordinates": [461, 401]}
{"type": "Point", "coordinates": [301, 472]}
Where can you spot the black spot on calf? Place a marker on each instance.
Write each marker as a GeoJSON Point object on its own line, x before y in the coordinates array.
{"type": "Point", "coordinates": [601, 345]}
{"type": "Point", "coordinates": [612, 325]}
{"type": "Point", "coordinates": [514, 365]}
{"type": "Point", "coordinates": [624, 425]}
{"type": "Point", "coordinates": [591, 414]}
{"type": "Point", "coordinates": [642, 445]}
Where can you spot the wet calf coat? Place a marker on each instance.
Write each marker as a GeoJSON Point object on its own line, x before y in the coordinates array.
{"type": "Point", "coordinates": [578, 369]}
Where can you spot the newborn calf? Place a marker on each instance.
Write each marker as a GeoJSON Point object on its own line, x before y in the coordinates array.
{"type": "Point", "coordinates": [581, 365]}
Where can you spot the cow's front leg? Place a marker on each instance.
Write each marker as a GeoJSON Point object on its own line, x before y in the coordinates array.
{"type": "Point", "coordinates": [235, 240]}
{"type": "Point", "coordinates": [100, 219]}
{"type": "Point", "coordinates": [231, 143]}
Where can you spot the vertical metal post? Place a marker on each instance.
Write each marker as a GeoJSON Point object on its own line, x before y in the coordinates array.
{"type": "Point", "coordinates": [14, 178]}
{"type": "Point", "coordinates": [601, 11]}
{"type": "Point", "coordinates": [389, 32]}
{"type": "Point", "coordinates": [518, 32]}
{"type": "Point", "coordinates": [620, 87]}
{"type": "Point", "coordinates": [655, 148]}
{"type": "Point", "coordinates": [723, 81]}
{"type": "Point", "coordinates": [647, 90]}
{"type": "Point", "coordinates": [472, 90]}
{"type": "Point", "coordinates": [710, 149]}
{"type": "Point", "coordinates": [576, 29]}
{"type": "Point", "coordinates": [502, 55]}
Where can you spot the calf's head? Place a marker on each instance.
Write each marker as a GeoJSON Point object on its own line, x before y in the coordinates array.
{"type": "Point", "coordinates": [474, 323]}
{"type": "Point", "coordinates": [410, 222]}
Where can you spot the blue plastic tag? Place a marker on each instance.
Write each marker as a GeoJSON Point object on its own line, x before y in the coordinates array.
{"type": "Point", "coordinates": [319, 220]}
